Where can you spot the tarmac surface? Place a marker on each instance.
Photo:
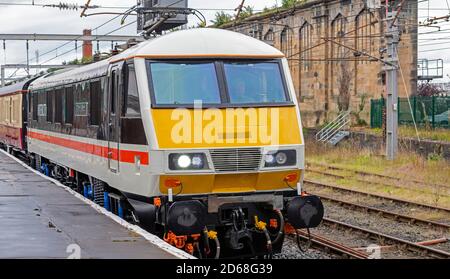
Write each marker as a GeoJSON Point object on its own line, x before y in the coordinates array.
{"type": "Point", "coordinates": [39, 219]}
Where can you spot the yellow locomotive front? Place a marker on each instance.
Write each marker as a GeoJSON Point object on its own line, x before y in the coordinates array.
{"type": "Point", "coordinates": [233, 154]}
{"type": "Point", "coordinates": [226, 150]}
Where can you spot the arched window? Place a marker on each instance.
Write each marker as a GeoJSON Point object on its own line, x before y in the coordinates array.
{"type": "Point", "coordinates": [306, 44]}
{"type": "Point", "coordinates": [365, 31]}
{"type": "Point", "coordinates": [338, 29]}
{"type": "Point", "coordinates": [286, 42]}
{"type": "Point", "coordinates": [268, 37]}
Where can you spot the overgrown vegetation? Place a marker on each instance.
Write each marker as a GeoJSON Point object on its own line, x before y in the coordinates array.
{"type": "Point", "coordinates": [344, 80]}
{"type": "Point", "coordinates": [291, 3]}
{"type": "Point", "coordinates": [82, 61]}
{"type": "Point", "coordinates": [246, 12]}
{"type": "Point", "coordinates": [361, 107]}
{"type": "Point", "coordinates": [222, 18]}
{"type": "Point", "coordinates": [438, 134]}
{"type": "Point", "coordinates": [432, 171]}
{"type": "Point", "coordinates": [428, 90]}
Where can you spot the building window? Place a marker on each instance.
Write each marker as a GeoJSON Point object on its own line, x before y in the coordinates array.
{"type": "Point", "coordinates": [50, 101]}
{"type": "Point", "coordinates": [95, 103]}
{"type": "Point", "coordinates": [286, 42]}
{"type": "Point", "coordinates": [269, 37]}
{"type": "Point", "coordinates": [306, 44]}
{"type": "Point", "coordinates": [69, 105]}
{"type": "Point", "coordinates": [365, 29]}
{"type": "Point", "coordinates": [338, 27]}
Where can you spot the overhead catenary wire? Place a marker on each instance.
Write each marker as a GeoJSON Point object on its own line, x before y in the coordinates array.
{"type": "Point", "coordinates": [77, 47]}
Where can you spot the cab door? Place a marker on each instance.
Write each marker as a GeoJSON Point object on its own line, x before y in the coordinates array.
{"type": "Point", "coordinates": [115, 85]}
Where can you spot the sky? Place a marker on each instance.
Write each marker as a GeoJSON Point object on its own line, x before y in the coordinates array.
{"type": "Point", "coordinates": [34, 19]}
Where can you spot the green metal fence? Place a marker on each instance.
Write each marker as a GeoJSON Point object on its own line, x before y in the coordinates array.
{"type": "Point", "coordinates": [376, 113]}
{"type": "Point", "coordinates": [427, 111]}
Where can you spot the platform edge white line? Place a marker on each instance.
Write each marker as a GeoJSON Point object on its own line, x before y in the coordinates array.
{"type": "Point", "coordinates": [153, 239]}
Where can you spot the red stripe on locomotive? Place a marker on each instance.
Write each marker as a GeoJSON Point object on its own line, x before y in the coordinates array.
{"type": "Point", "coordinates": [126, 156]}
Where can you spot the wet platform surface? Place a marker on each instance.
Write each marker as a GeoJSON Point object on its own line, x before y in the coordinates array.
{"type": "Point", "coordinates": [39, 219]}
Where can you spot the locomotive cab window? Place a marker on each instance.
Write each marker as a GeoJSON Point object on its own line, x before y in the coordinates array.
{"type": "Point", "coordinates": [255, 83]}
{"type": "Point", "coordinates": [179, 83]}
{"type": "Point", "coordinates": [218, 83]}
{"type": "Point", "coordinates": [130, 106]}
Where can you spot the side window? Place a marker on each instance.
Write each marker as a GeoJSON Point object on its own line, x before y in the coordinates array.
{"type": "Point", "coordinates": [50, 97]}
{"type": "Point", "coordinates": [59, 105]}
{"type": "Point", "coordinates": [2, 109]}
{"type": "Point", "coordinates": [8, 109]}
{"type": "Point", "coordinates": [35, 103]}
{"type": "Point", "coordinates": [69, 94]}
{"type": "Point", "coordinates": [113, 92]}
{"type": "Point", "coordinates": [131, 107]}
{"type": "Point", "coordinates": [95, 102]}
{"type": "Point", "coordinates": [42, 106]}
{"type": "Point", "coordinates": [82, 101]}
{"type": "Point", "coordinates": [15, 109]}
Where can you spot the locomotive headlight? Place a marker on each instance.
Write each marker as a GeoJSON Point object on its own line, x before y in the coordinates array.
{"type": "Point", "coordinates": [188, 161]}
{"type": "Point", "coordinates": [184, 161]}
{"type": "Point", "coordinates": [282, 158]}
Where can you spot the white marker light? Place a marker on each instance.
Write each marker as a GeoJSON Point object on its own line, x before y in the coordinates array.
{"type": "Point", "coordinates": [269, 158]}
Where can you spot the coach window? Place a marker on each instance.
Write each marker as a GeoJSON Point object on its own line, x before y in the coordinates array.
{"type": "Point", "coordinates": [50, 101]}
{"type": "Point", "coordinates": [95, 102]}
{"type": "Point", "coordinates": [69, 105]}
{"type": "Point", "coordinates": [42, 106]}
{"type": "Point", "coordinates": [59, 105]}
{"type": "Point", "coordinates": [35, 105]}
{"type": "Point", "coordinates": [131, 107]}
{"type": "Point", "coordinates": [15, 110]}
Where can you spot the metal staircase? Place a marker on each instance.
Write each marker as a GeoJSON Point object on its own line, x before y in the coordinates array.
{"type": "Point", "coordinates": [334, 132]}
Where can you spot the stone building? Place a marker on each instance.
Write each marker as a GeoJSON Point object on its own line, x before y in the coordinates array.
{"type": "Point", "coordinates": [333, 46]}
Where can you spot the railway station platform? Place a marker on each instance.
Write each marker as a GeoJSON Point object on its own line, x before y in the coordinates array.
{"type": "Point", "coordinates": [39, 219]}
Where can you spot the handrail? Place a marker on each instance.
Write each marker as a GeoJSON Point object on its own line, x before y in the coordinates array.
{"type": "Point", "coordinates": [338, 118]}
{"type": "Point", "coordinates": [332, 128]}
{"type": "Point", "coordinates": [333, 123]}
{"type": "Point", "coordinates": [333, 132]}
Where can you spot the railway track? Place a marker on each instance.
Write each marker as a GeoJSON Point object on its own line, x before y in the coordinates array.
{"type": "Point", "coordinates": [377, 196]}
{"type": "Point", "coordinates": [384, 213]}
{"type": "Point", "coordinates": [387, 239]}
{"type": "Point", "coordinates": [363, 173]}
{"type": "Point", "coordinates": [415, 189]}
{"type": "Point", "coordinates": [331, 246]}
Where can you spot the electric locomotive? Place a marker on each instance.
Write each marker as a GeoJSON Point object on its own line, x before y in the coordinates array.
{"type": "Point", "coordinates": [195, 136]}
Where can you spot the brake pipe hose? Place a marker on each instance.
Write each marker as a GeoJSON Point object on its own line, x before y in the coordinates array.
{"type": "Point", "coordinates": [281, 231]}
